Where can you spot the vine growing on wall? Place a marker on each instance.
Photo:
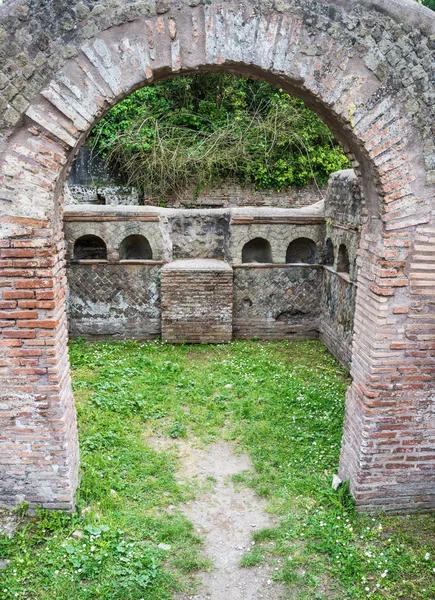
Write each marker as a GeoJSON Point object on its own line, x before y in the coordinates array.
{"type": "Point", "coordinates": [192, 131]}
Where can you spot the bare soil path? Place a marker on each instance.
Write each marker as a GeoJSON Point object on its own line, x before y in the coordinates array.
{"type": "Point", "coordinates": [225, 517]}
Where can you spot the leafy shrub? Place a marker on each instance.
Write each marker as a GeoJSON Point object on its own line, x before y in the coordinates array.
{"type": "Point", "coordinates": [192, 131]}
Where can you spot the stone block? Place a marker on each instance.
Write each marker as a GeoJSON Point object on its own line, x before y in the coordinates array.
{"type": "Point", "coordinates": [197, 302]}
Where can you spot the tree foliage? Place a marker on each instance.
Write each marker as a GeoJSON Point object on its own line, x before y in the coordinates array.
{"type": "Point", "coordinates": [429, 3]}
{"type": "Point", "coordinates": [209, 127]}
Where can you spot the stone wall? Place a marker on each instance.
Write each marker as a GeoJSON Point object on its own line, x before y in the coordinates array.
{"type": "Point", "coordinates": [105, 195]}
{"type": "Point", "coordinates": [121, 299]}
{"type": "Point", "coordinates": [343, 220]}
{"type": "Point", "coordinates": [277, 302]}
{"type": "Point", "coordinates": [114, 301]}
{"type": "Point", "coordinates": [231, 194]}
{"type": "Point", "coordinates": [343, 198]}
{"type": "Point", "coordinates": [337, 314]}
{"type": "Point", "coordinates": [199, 234]}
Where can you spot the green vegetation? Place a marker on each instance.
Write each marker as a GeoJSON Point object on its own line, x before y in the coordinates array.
{"type": "Point", "coordinates": [191, 131]}
{"type": "Point", "coordinates": [281, 402]}
{"type": "Point", "coordinates": [429, 3]}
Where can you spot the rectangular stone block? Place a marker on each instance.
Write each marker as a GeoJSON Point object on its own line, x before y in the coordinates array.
{"type": "Point", "coordinates": [197, 302]}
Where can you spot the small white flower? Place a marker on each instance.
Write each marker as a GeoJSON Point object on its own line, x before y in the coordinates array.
{"type": "Point", "coordinates": [427, 556]}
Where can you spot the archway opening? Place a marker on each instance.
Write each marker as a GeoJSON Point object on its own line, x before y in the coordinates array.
{"type": "Point", "coordinates": [257, 250]}
{"type": "Point", "coordinates": [135, 247]}
{"type": "Point", "coordinates": [90, 247]}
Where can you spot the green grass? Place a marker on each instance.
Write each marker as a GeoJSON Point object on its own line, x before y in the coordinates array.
{"type": "Point", "coordinates": [281, 402]}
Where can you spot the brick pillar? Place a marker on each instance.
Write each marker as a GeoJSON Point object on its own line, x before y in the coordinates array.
{"type": "Point", "coordinates": [389, 431]}
{"type": "Point", "coordinates": [38, 435]}
{"type": "Point", "coordinates": [197, 302]}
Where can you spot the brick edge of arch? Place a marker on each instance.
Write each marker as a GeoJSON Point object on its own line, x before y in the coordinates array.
{"type": "Point", "coordinates": [389, 425]}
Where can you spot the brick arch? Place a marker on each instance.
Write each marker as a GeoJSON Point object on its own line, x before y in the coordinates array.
{"type": "Point", "coordinates": [350, 62]}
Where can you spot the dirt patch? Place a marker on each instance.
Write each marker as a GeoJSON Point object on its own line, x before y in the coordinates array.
{"type": "Point", "coordinates": [225, 517]}
{"type": "Point", "coordinates": [9, 521]}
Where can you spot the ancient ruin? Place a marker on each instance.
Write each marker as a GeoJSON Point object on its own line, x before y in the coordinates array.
{"type": "Point", "coordinates": [367, 68]}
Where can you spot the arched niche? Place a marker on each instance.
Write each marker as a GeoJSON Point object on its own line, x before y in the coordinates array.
{"type": "Point", "coordinates": [328, 253]}
{"type": "Point", "coordinates": [343, 263]}
{"type": "Point", "coordinates": [135, 247]}
{"type": "Point", "coordinates": [90, 247]}
{"type": "Point", "coordinates": [257, 250]}
{"type": "Point", "coordinates": [302, 250]}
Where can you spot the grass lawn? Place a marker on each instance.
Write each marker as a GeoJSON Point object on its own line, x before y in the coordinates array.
{"type": "Point", "coordinates": [283, 403]}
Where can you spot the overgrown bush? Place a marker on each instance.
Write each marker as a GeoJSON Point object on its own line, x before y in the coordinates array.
{"type": "Point", "coordinates": [191, 131]}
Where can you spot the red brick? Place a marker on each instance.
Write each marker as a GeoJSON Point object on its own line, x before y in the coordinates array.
{"type": "Point", "coordinates": [19, 333]}
{"type": "Point", "coordinates": [34, 284]}
{"type": "Point", "coordinates": [18, 294]}
{"type": "Point", "coordinates": [17, 253]}
{"type": "Point", "coordinates": [8, 305]}
{"type": "Point", "coordinates": [18, 314]}
{"type": "Point", "coordinates": [39, 324]}
{"type": "Point", "coordinates": [25, 352]}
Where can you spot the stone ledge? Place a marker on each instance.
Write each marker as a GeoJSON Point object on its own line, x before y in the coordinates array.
{"type": "Point", "coordinates": [276, 266]}
{"type": "Point", "coordinates": [344, 276]}
{"type": "Point", "coordinates": [200, 264]}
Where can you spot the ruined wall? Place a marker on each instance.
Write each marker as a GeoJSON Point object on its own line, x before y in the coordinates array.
{"type": "Point", "coordinates": [343, 220]}
{"type": "Point", "coordinates": [228, 194]}
{"type": "Point", "coordinates": [277, 303]}
{"type": "Point", "coordinates": [337, 314]}
{"type": "Point", "coordinates": [105, 195]}
{"type": "Point", "coordinates": [114, 301]}
{"type": "Point", "coordinates": [111, 298]}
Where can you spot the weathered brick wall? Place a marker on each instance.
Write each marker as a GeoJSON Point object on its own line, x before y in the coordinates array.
{"type": "Point", "coordinates": [114, 301]}
{"type": "Point", "coordinates": [197, 302]}
{"type": "Point", "coordinates": [38, 436]}
{"type": "Point", "coordinates": [229, 194]}
{"type": "Point", "coordinates": [277, 303]}
{"type": "Point", "coordinates": [367, 67]}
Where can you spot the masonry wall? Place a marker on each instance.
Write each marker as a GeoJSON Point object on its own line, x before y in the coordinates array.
{"type": "Point", "coordinates": [337, 314]}
{"type": "Point", "coordinates": [114, 301]}
{"type": "Point", "coordinates": [194, 234]}
{"type": "Point", "coordinates": [197, 302]}
{"type": "Point", "coordinates": [343, 221]}
{"type": "Point", "coordinates": [120, 300]}
{"type": "Point", "coordinates": [277, 302]}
